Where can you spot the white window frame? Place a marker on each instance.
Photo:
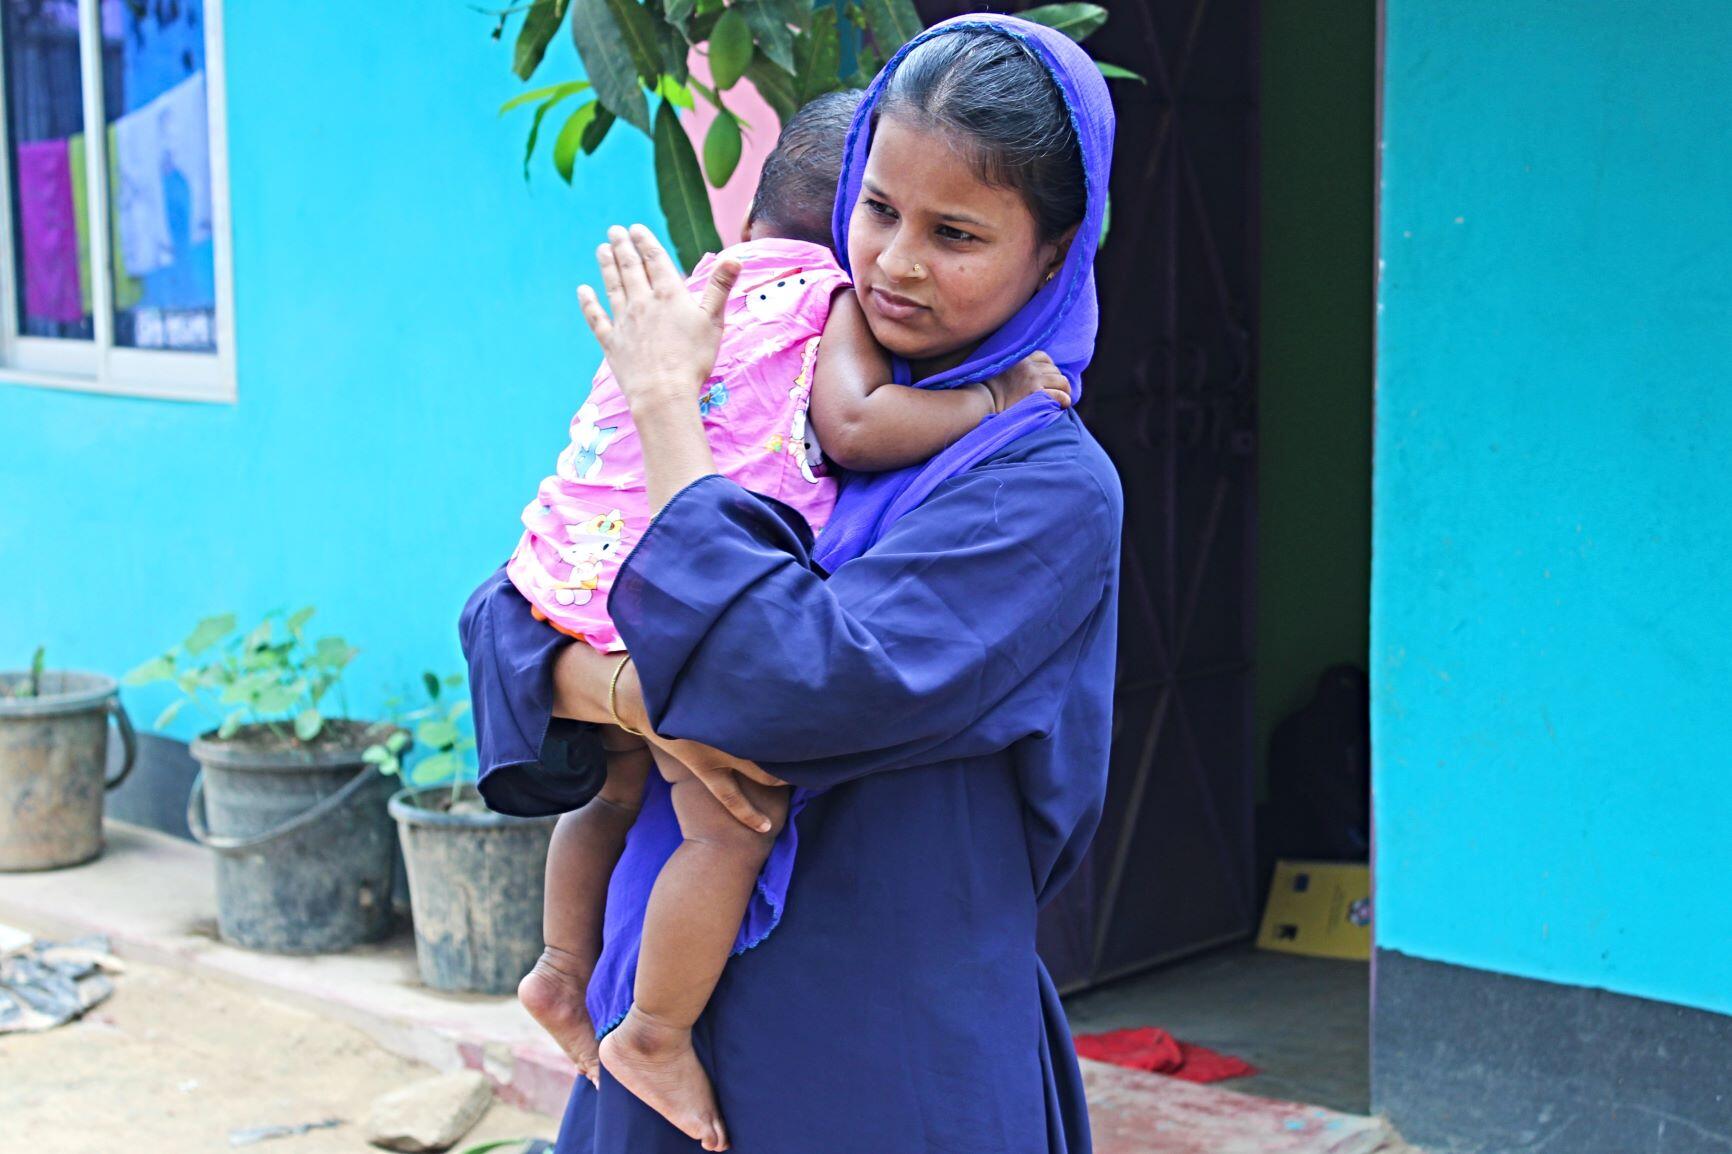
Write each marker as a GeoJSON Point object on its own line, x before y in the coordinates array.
{"type": "Point", "coordinates": [97, 365]}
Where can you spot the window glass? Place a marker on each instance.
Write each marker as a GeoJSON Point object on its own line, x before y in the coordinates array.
{"type": "Point", "coordinates": [44, 126]}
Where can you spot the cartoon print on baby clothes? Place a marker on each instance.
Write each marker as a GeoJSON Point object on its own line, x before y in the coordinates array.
{"type": "Point", "coordinates": [802, 442]}
{"type": "Point", "coordinates": [591, 544]}
{"type": "Point", "coordinates": [581, 460]}
{"type": "Point", "coordinates": [775, 299]}
{"type": "Point", "coordinates": [714, 396]}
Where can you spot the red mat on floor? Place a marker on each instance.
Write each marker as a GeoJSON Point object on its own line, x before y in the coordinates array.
{"type": "Point", "coordinates": [1146, 1048]}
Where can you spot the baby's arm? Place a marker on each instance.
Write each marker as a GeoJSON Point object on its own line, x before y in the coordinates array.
{"type": "Point", "coordinates": [867, 424]}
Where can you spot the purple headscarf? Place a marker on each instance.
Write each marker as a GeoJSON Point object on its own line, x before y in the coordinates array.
{"type": "Point", "coordinates": [1060, 319]}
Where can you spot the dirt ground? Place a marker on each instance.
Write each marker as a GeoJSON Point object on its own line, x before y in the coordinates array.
{"type": "Point", "coordinates": [172, 1063]}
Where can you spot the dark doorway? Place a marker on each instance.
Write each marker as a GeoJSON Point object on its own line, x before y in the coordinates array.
{"type": "Point", "coordinates": [1172, 397]}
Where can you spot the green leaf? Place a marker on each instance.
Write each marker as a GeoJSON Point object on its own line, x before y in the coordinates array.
{"type": "Point", "coordinates": [453, 680]}
{"type": "Point", "coordinates": [431, 681]}
{"type": "Point", "coordinates": [565, 147]}
{"type": "Point", "coordinates": [308, 723]}
{"type": "Point", "coordinates": [551, 92]}
{"type": "Point", "coordinates": [679, 11]}
{"type": "Point", "coordinates": [208, 632]}
{"type": "Point", "coordinates": [817, 56]}
{"type": "Point", "coordinates": [1078, 21]}
{"type": "Point", "coordinates": [333, 652]}
{"type": "Point", "coordinates": [730, 49]}
{"type": "Point", "coordinates": [680, 184]}
{"type": "Point", "coordinates": [231, 724]}
{"type": "Point", "coordinates": [892, 23]}
{"type": "Point", "coordinates": [675, 93]}
{"type": "Point", "coordinates": [638, 33]}
{"type": "Point", "coordinates": [459, 709]}
{"type": "Point", "coordinates": [277, 698]}
{"type": "Point", "coordinates": [298, 620]}
{"type": "Point", "coordinates": [1114, 72]}
{"type": "Point", "coordinates": [437, 768]}
{"type": "Point", "coordinates": [676, 54]}
{"type": "Point", "coordinates": [596, 132]}
{"type": "Point", "coordinates": [775, 85]}
{"type": "Point", "coordinates": [259, 638]}
{"type": "Point", "coordinates": [156, 669]}
{"type": "Point", "coordinates": [769, 23]}
{"type": "Point", "coordinates": [721, 149]}
{"type": "Point", "coordinates": [436, 734]}
{"type": "Point", "coordinates": [607, 62]}
{"type": "Point", "coordinates": [376, 755]}
{"type": "Point", "coordinates": [538, 28]}
{"type": "Point", "coordinates": [397, 742]}
{"type": "Point", "coordinates": [169, 714]}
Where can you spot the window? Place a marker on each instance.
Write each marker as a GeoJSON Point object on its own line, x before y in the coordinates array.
{"type": "Point", "coordinates": [116, 274]}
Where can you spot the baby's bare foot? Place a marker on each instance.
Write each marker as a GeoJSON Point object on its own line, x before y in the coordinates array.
{"type": "Point", "coordinates": [657, 1063]}
{"type": "Point", "coordinates": [553, 994]}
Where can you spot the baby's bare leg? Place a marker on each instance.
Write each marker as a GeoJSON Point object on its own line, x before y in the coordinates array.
{"type": "Point", "coordinates": [690, 925]}
{"type": "Point", "coordinates": [586, 846]}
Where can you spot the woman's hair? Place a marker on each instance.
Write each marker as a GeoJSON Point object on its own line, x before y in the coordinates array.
{"type": "Point", "coordinates": [994, 97]}
{"type": "Point", "coordinates": [797, 189]}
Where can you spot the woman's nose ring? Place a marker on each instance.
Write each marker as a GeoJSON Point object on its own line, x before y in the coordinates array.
{"type": "Point", "coordinates": [918, 271]}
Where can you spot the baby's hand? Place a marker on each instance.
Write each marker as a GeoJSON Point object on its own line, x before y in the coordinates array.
{"type": "Point", "coordinates": [1033, 374]}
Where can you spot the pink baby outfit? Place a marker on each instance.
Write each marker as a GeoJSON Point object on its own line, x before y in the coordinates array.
{"type": "Point", "coordinates": [592, 511]}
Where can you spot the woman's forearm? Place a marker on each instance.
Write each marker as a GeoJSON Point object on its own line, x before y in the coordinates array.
{"type": "Point", "coordinates": [675, 450]}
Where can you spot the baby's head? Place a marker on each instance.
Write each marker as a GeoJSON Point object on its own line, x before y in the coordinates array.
{"type": "Point", "coordinates": [797, 190]}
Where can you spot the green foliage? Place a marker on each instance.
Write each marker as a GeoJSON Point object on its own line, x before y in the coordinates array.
{"type": "Point", "coordinates": [271, 675]}
{"type": "Point", "coordinates": [635, 51]}
{"type": "Point", "coordinates": [31, 686]}
{"type": "Point", "coordinates": [441, 746]}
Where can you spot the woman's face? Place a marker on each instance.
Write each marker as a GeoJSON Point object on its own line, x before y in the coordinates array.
{"type": "Point", "coordinates": [940, 258]}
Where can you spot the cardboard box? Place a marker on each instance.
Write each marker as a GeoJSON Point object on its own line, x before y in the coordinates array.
{"type": "Point", "coordinates": [1320, 909]}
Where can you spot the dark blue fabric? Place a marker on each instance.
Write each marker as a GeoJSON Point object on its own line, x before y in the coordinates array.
{"type": "Point", "coordinates": [951, 693]}
{"type": "Point", "coordinates": [532, 764]}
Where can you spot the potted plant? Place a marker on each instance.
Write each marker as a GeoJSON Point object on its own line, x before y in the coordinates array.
{"type": "Point", "coordinates": [53, 756]}
{"type": "Point", "coordinates": [295, 814]}
{"type": "Point", "coordinates": [475, 877]}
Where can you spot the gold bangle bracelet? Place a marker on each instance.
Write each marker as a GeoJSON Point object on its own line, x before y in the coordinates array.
{"type": "Point", "coordinates": [613, 697]}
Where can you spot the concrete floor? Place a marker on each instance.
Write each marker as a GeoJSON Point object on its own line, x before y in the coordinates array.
{"type": "Point", "coordinates": [1304, 1022]}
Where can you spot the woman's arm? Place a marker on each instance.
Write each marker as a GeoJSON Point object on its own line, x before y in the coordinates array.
{"type": "Point", "coordinates": [949, 639]}
{"type": "Point", "coordinates": [867, 424]}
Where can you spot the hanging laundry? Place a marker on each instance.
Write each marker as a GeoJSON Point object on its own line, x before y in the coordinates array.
{"type": "Point", "coordinates": [1147, 1048]}
{"type": "Point", "coordinates": [171, 134]}
{"type": "Point", "coordinates": [127, 290]}
{"type": "Point", "coordinates": [48, 232]}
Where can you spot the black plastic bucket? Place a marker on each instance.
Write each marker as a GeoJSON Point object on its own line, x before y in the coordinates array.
{"type": "Point", "coordinates": [303, 843]}
{"type": "Point", "coordinates": [476, 887]}
{"type": "Point", "coordinates": [53, 753]}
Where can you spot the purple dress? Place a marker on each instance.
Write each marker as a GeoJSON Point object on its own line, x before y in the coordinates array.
{"type": "Point", "coordinates": [950, 692]}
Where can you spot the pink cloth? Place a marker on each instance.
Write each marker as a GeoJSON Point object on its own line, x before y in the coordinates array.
{"type": "Point", "coordinates": [48, 225]}
{"type": "Point", "coordinates": [587, 517]}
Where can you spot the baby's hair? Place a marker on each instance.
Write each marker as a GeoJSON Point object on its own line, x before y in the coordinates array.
{"type": "Point", "coordinates": [798, 187]}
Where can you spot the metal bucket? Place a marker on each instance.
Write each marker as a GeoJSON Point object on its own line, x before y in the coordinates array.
{"type": "Point", "coordinates": [303, 844]}
{"type": "Point", "coordinates": [476, 887]}
{"type": "Point", "coordinates": [53, 754]}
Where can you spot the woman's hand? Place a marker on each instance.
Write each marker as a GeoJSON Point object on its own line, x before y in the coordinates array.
{"type": "Point", "coordinates": [661, 345]}
{"type": "Point", "coordinates": [660, 342]}
{"type": "Point", "coordinates": [720, 774]}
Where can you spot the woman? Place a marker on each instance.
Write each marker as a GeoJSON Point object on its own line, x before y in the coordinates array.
{"type": "Point", "coordinates": [945, 688]}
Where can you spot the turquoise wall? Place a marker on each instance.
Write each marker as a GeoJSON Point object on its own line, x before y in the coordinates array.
{"type": "Point", "coordinates": [1552, 621]}
{"type": "Point", "coordinates": [410, 352]}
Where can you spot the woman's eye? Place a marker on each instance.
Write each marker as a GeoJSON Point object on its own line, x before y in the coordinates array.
{"type": "Point", "coordinates": [956, 234]}
{"type": "Point", "coordinates": [879, 208]}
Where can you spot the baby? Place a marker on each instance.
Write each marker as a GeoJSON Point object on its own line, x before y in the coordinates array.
{"type": "Point", "coordinates": [795, 339]}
